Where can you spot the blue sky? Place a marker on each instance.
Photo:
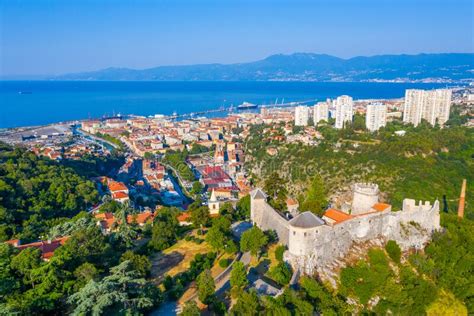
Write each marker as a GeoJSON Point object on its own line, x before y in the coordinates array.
{"type": "Point", "coordinates": [60, 36]}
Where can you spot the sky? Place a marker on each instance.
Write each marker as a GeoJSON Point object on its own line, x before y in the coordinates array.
{"type": "Point", "coordinates": [47, 37]}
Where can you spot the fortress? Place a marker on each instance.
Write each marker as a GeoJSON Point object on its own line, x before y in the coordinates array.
{"type": "Point", "coordinates": [315, 242]}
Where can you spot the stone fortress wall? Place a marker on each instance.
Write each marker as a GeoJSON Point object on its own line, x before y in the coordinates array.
{"type": "Point", "coordinates": [266, 217]}
{"type": "Point", "coordinates": [314, 243]}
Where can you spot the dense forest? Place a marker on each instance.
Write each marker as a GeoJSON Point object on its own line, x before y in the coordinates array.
{"type": "Point", "coordinates": [37, 193]}
{"type": "Point", "coordinates": [425, 164]}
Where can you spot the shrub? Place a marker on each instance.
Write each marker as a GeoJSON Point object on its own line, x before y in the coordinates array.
{"type": "Point", "coordinates": [279, 252]}
{"type": "Point", "coordinates": [393, 250]}
{"type": "Point", "coordinates": [224, 263]}
{"type": "Point", "coordinates": [281, 273]}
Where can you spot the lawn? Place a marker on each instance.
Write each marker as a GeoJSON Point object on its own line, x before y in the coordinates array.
{"type": "Point", "coordinates": [176, 259]}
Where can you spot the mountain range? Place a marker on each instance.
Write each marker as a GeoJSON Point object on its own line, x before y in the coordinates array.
{"type": "Point", "coordinates": [448, 67]}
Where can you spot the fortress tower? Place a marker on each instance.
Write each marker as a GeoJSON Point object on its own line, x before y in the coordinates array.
{"type": "Point", "coordinates": [365, 196]}
{"type": "Point", "coordinates": [303, 233]}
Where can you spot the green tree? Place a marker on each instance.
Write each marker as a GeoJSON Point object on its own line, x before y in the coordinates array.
{"type": "Point", "coordinates": [281, 273]}
{"type": "Point", "coordinates": [140, 263]}
{"type": "Point", "coordinates": [238, 278]}
{"type": "Point", "coordinates": [200, 216]}
{"type": "Point", "coordinates": [164, 232]}
{"type": "Point", "coordinates": [253, 240]}
{"type": "Point", "coordinates": [190, 309]}
{"type": "Point", "coordinates": [247, 304]}
{"type": "Point", "coordinates": [197, 187]}
{"type": "Point", "coordinates": [218, 236]}
{"type": "Point", "coordinates": [205, 286]}
{"type": "Point", "coordinates": [25, 262]}
{"type": "Point", "coordinates": [316, 197]}
{"type": "Point", "coordinates": [243, 208]}
{"type": "Point", "coordinates": [275, 187]}
{"type": "Point", "coordinates": [84, 273]}
{"type": "Point", "coordinates": [121, 291]}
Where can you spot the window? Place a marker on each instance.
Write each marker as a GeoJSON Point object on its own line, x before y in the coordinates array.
{"type": "Point", "coordinates": [305, 234]}
{"type": "Point", "coordinates": [294, 233]}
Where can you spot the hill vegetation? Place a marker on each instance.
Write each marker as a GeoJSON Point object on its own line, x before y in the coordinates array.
{"type": "Point", "coordinates": [425, 164]}
{"type": "Point", "coordinates": [38, 193]}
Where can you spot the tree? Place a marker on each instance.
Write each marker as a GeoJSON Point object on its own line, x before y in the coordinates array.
{"type": "Point", "coordinates": [140, 263]}
{"type": "Point", "coordinates": [197, 187]}
{"type": "Point", "coordinates": [205, 286]}
{"type": "Point", "coordinates": [275, 188]}
{"type": "Point", "coordinates": [8, 281]}
{"type": "Point", "coordinates": [247, 304]}
{"type": "Point", "coordinates": [324, 301]}
{"type": "Point", "coordinates": [253, 240]}
{"type": "Point", "coordinates": [281, 273]}
{"type": "Point", "coordinates": [84, 273]}
{"type": "Point", "coordinates": [393, 250]}
{"type": "Point", "coordinates": [164, 232]}
{"type": "Point", "coordinates": [238, 277]}
{"type": "Point", "coordinates": [218, 235]}
{"type": "Point", "coordinates": [126, 233]}
{"type": "Point", "coordinates": [122, 291]}
{"type": "Point", "coordinates": [190, 309]}
{"type": "Point", "coordinates": [243, 208]}
{"type": "Point", "coordinates": [200, 216]}
{"type": "Point", "coordinates": [25, 262]}
{"type": "Point", "coordinates": [316, 198]}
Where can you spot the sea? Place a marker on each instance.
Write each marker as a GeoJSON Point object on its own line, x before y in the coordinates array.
{"type": "Point", "coordinates": [32, 103]}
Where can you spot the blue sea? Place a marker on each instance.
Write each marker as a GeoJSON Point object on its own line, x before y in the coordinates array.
{"type": "Point", "coordinates": [55, 101]}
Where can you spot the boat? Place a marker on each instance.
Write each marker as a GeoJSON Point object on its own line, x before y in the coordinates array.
{"type": "Point", "coordinates": [246, 106]}
{"type": "Point", "coordinates": [25, 92]}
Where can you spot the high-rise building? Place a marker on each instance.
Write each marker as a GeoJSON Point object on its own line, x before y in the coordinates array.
{"type": "Point", "coordinates": [344, 110]}
{"type": "Point", "coordinates": [320, 112]}
{"type": "Point", "coordinates": [301, 115]}
{"type": "Point", "coordinates": [430, 105]}
{"type": "Point", "coordinates": [376, 116]}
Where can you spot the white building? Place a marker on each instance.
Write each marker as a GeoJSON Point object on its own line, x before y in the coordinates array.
{"type": "Point", "coordinates": [301, 115]}
{"type": "Point", "coordinates": [344, 110]}
{"type": "Point", "coordinates": [320, 112]}
{"type": "Point", "coordinates": [376, 116]}
{"type": "Point", "coordinates": [430, 105]}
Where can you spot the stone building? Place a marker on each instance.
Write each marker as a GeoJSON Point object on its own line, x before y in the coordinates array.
{"type": "Point", "coordinates": [315, 242]}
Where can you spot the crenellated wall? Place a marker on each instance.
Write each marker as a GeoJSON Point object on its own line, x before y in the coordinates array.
{"type": "Point", "coordinates": [311, 247]}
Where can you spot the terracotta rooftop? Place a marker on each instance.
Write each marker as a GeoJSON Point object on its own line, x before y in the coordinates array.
{"type": "Point", "coordinates": [336, 215]}
{"type": "Point", "coordinates": [117, 186]}
{"type": "Point", "coordinates": [380, 206]}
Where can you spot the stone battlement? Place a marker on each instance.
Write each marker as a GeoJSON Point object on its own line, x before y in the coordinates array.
{"type": "Point", "coordinates": [313, 242]}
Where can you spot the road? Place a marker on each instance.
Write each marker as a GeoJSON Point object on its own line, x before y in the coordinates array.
{"type": "Point", "coordinates": [222, 282]}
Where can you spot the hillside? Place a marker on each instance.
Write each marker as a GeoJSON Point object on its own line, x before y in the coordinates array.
{"type": "Point", "coordinates": [426, 164]}
{"type": "Point", "coordinates": [304, 67]}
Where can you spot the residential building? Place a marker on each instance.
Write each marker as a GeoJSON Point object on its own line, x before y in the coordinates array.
{"type": "Point", "coordinates": [301, 115]}
{"type": "Point", "coordinates": [344, 110]}
{"type": "Point", "coordinates": [430, 105]}
{"type": "Point", "coordinates": [376, 116]}
{"type": "Point", "coordinates": [320, 112]}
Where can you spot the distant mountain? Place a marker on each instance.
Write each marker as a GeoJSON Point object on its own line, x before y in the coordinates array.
{"type": "Point", "coordinates": [305, 67]}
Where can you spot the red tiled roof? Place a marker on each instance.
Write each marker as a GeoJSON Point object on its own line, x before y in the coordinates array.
{"type": "Point", "coordinates": [184, 217]}
{"type": "Point", "coordinates": [380, 206]}
{"type": "Point", "coordinates": [119, 195]}
{"type": "Point", "coordinates": [117, 186]}
{"type": "Point", "coordinates": [336, 215]}
{"type": "Point", "coordinates": [140, 218]}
